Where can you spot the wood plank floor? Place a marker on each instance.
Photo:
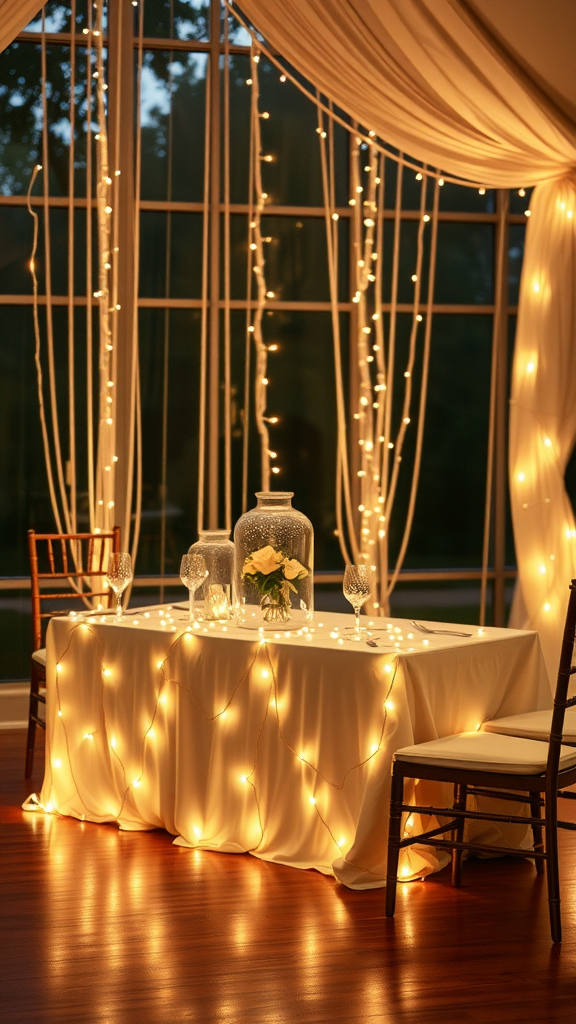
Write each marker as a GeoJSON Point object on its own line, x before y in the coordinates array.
{"type": "Point", "coordinates": [116, 927]}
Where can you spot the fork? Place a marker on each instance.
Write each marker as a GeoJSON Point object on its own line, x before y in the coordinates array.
{"type": "Point", "coordinates": [443, 632]}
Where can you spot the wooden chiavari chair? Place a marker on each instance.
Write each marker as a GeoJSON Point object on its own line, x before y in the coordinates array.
{"type": "Point", "coordinates": [75, 565]}
{"type": "Point", "coordinates": [491, 764]}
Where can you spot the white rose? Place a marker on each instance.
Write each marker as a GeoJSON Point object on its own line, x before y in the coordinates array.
{"type": "Point", "coordinates": [294, 568]}
{"type": "Point", "coordinates": [265, 560]}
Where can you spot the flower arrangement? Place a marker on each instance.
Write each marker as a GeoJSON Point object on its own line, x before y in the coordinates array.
{"type": "Point", "coordinates": [274, 575]}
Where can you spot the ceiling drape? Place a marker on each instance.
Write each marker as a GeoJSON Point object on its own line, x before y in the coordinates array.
{"type": "Point", "coordinates": [427, 77]}
{"type": "Point", "coordinates": [14, 16]}
{"type": "Point", "coordinates": [431, 78]}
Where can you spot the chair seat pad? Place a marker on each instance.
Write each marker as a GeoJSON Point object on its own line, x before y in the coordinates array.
{"type": "Point", "coordinates": [483, 751]}
{"type": "Point", "coordinates": [40, 656]}
{"type": "Point", "coordinates": [534, 725]}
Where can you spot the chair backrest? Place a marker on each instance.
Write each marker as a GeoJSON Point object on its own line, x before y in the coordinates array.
{"type": "Point", "coordinates": [562, 701]}
{"type": "Point", "coordinates": [75, 564]}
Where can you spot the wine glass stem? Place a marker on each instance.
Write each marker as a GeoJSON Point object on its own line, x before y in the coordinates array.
{"type": "Point", "coordinates": [119, 605]}
{"type": "Point", "coordinates": [191, 593]}
{"type": "Point", "coordinates": [357, 619]}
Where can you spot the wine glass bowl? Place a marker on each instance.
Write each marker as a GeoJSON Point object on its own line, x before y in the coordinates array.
{"type": "Point", "coordinates": [193, 572]}
{"type": "Point", "coordinates": [119, 575]}
{"type": "Point", "coordinates": [357, 589]}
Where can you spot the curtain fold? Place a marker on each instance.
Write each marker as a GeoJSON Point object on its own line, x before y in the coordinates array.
{"type": "Point", "coordinates": [543, 416]}
{"type": "Point", "coordinates": [14, 16]}
{"type": "Point", "coordinates": [431, 80]}
{"type": "Point", "coordinates": [428, 78]}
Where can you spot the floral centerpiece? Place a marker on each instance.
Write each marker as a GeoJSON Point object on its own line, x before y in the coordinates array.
{"type": "Point", "coordinates": [275, 576]}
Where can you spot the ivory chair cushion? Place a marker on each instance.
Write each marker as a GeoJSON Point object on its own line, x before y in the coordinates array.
{"type": "Point", "coordinates": [40, 656]}
{"type": "Point", "coordinates": [483, 751]}
{"type": "Point", "coordinates": [534, 725]}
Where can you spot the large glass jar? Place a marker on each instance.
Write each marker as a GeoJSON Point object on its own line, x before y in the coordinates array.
{"type": "Point", "coordinates": [273, 564]}
{"type": "Point", "coordinates": [217, 551]}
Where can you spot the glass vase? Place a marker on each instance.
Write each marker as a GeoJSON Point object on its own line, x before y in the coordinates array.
{"type": "Point", "coordinates": [217, 551]}
{"type": "Point", "coordinates": [273, 565]}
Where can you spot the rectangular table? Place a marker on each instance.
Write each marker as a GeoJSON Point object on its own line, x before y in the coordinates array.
{"type": "Point", "coordinates": [278, 744]}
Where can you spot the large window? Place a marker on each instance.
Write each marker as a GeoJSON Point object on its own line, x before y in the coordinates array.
{"type": "Point", "coordinates": [182, 41]}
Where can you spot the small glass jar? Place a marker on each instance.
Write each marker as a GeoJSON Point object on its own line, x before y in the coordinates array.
{"type": "Point", "coordinates": [273, 565]}
{"type": "Point", "coordinates": [217, 551]}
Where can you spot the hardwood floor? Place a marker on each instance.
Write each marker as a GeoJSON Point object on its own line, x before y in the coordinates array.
{"type": "Point", "coordinates": [116, 927]}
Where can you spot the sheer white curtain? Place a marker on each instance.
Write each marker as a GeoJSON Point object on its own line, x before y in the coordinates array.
{"type": "Point", "coordinates": [430, 78]}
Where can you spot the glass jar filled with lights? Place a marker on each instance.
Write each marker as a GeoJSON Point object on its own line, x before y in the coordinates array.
{"type": "Point", "coordinates": [217, 551]}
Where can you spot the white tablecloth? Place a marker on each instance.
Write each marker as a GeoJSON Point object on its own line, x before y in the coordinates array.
{"type": "Point", "coordinates": [281, 748]}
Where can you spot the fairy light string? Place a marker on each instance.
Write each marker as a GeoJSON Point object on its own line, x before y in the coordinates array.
{"type": "Point", "coordinates": [37, 354]}
{"type": "Point", "coordinates": [416, 319]}
{"type": "Point", "coordinates": [203, 381]}
{"type": "Point", "coordinates": [258, 262]}
{"type": "Point", "coordinates": [89, 271]}
{"type": "Point", "coordinates": [248, 318]}
{"type": "Point", "coordinates": [380, 448]}
{"type": "Point", "coordinates": [71, 464]}
{"type": "Point", "coordinates": [423, 395]}
{"type": "Point", "coordinates": [105, 464]}
{"type": "Point", "coordinates": [52, 390]}
{"type": "Point", "coordinates": [102, 478]}
{"type": "Point", "coordinates": [343, 490]}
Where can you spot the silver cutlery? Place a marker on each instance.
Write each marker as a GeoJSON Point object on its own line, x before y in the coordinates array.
{"type": "Point", "coordinates": [442, 632]}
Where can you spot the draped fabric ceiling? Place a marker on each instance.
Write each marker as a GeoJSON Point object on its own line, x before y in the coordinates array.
{"type": "Point", "coordinates": [480, 90]}
{"type": "Point", "coordinates": [439, 80]}
{"type": "Point", "coordinates": [14, 16]}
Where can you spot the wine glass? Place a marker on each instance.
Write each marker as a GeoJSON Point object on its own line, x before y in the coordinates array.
{"type": "Point", "coordinates": [119, 574]}
{"type": "Point", "coordinates": [356, 589]}
{"type": "Point", "coordinates": [193, 572]}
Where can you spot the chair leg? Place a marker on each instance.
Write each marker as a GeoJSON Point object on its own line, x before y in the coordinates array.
{"type": "Point", "coordinates": [394, 826]}
{"type": "Point", "coordinates": [32, 714]}
{"type": "Point", "coordinates": [30, 741]}
{"type": "Point", "coordinates": [537, 830]}
{"type": "Point", "coordinates": [460, 796]}
{"type": "Point", "coordinates": [552, 872]}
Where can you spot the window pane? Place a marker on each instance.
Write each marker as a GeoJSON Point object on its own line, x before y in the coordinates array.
{"type": "Point", "coordinates": [180, 234]}
{"type": "Point", "coordinates": [177, 19]}
{"type": "Point", "coordinates": [518, 203]}
{"type": "Point", "coordinates": [57, 17]}
{"type": "Point", "coordinates": [16, 238]}
{"type": "Point", "coordinates": [459, 198]}
{"type": "Point", "coordinates": [465, 264]}
{"type": "Point", "coordinates": [289, 136]}
{"type": "Point", "coordinates": [448, 524]}
{"type": "Point", "coordinates": [407, 260]}
{"type": "Point", "coordinates": [21, 119]}
{"type": "Point", "coordinates": [296, 265]}
{"type": "Point", "coordinates": [293, 176]}
{"type": "Point", "coordinates": [445, 601]}
{"type": "Point", "coordinates": [172, 114]}
{"type": "Point", "coordinates": [16, 235]}
{"type": "Point", "coordinates": [25, 503]}
{"type": "Point", "coordinates": [302, 394]}
{"type": "Point", "coordinates": [179, 330]}
{"type": "Point", "coordinates": [516, 237]}
{"type": "Point", "coordinates": [236, 32]}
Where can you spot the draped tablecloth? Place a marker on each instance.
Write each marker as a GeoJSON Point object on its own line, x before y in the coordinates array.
{"type": "Point", "coordinates": [277, 744]}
